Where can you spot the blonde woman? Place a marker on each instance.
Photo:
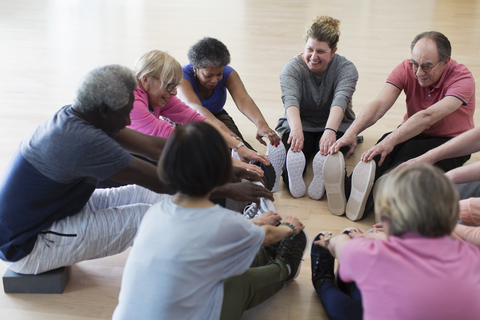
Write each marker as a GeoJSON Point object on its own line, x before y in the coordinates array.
{"type": "Point", "coordinates": [158, 75]}
{"type": "Point", "coordinates": [414, 270]}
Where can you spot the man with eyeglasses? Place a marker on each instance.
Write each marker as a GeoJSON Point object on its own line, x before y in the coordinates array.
{"type": "Point", "coordinates": [440, 101]}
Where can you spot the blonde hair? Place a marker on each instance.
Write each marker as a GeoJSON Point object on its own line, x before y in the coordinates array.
{"type": "Point", "coordinates": [419, 199]}
{"type": "Point", "coordinates": [158, 64]}
{"type": "Point", "coordinates": [325, 29]}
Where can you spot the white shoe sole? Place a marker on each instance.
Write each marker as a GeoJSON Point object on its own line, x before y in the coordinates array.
{"type": "Point", "coordinates": [277, 156]}
{"type": "Point", "coordinates": [295, 166]}
{"type": "Point", "coordinates": [316, 189]}
{"type": "Point", "coordinates": [334, 179]}
{"type": "Point", "coordinates": [362, 183]}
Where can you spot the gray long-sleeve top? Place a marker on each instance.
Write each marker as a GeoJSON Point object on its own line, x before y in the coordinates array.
{"type": "Point", "coordinates": [314, 95]}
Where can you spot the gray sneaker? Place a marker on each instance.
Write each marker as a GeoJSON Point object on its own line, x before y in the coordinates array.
{"type": "Point", "coordinates": [316, 190]}
{"type": "Point", "coordinates": [251, 211]}
{"type": "Point", "coordinates": [277, 156]}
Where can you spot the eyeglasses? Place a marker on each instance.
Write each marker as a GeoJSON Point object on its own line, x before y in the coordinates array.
{"type": "Point", "coordinates": [426, 67]}
{"type": "Point", "coordinates": [170, 86]}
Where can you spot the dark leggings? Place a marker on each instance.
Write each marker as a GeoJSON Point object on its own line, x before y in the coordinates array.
{"type": "Point", "coordinates": [228, 121]}
{"type": "Point", "coordinates": [310, 147]}
{"type": "Point", "coordinates": [405, 151]}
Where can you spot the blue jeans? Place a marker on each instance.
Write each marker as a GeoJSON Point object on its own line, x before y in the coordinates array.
{"type": "Point", "coordinates": [338, 304]}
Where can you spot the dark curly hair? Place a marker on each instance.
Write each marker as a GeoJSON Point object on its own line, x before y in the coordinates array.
{"type": "Point", "coordinates": [208, 52]}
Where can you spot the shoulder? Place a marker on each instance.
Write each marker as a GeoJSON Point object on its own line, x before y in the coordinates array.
{"type": "Point", "coordinates": [227, 70]}
{"type": "Point", "coordinates": [457, 72]}
{"type": "Point", "coordinates": [188, 72]}
{"type": "Point", "coordinates": [294, 67]}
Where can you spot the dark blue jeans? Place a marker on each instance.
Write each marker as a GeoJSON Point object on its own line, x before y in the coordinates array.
{"type": "Point", "coordinates": [341, 304]}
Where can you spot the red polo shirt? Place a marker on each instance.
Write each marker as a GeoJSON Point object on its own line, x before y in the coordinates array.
{"type": "Point", "coordinates": [456, 81]}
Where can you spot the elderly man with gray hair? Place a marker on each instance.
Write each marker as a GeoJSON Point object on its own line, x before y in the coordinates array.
{"type": "Point", "coordinates": [51, 213]}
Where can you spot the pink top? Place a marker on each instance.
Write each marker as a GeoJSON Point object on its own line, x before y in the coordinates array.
{"type": "Point", "coordinates": [456, 81]}
{"type": "Point", "coordinates": [469, 215]}
{"type": "Point", "coordinates": [147, 122]}
{"type": "Point", "coordinates": [414, 277]}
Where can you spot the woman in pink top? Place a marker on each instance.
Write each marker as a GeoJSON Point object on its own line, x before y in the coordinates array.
{"type": "Point", "coordinates": [414, 270]}
{"type": "Point", "coordinates": [158, 75]}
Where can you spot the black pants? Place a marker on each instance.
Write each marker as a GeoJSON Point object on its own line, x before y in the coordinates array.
{"type": "Point", "coordinates": [407, 150]}
{"type": "Point", "coordinates": [228, 121]}
{"type": "Point", "coordinates": [310, 147]}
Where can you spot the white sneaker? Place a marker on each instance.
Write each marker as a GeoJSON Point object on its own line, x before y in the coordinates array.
{"type": "Point", "coordinates": [295, 166]}
{"type": "Point", "coordinates": [277, 156]}
{"type": "Point", "coordinates": [334, 179]}
{"type": "Point", "coordinates": [362, 183]}
{"type": "Point", "coordinates": [316, 189]}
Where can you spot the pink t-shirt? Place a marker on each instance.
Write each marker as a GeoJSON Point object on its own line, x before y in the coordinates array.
{"type": "Point", "coordinates": [456, 81]}
{"type": "Point", "coordinates": [414, 277]}
{"type": "Point", "coordinates": [150, 123]}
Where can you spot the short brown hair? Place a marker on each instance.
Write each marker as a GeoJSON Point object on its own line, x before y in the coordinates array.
{"type": "Point", "coordinates": [420, 199]}
{"type": "Point", "coordinates": [325, 29]}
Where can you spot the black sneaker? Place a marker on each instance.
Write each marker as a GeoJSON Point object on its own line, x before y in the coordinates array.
{"type": "Point", "coordinates": [271, 251]}
{"type": "Point", "coordinates": [323, 263]}
{"type": "Point", "coordinates": [291, 252]}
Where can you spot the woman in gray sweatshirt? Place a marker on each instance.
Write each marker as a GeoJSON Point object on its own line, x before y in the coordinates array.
{"type": "Point", "coordinates": [317, 88]}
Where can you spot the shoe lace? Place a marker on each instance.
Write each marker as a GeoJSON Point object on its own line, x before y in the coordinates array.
{"type": "Point", "coordinates": [250, 210]}
{"type": "Point", "coordinates": [289, 251]}
{"type": "Point", "coordinates": [324, 266]}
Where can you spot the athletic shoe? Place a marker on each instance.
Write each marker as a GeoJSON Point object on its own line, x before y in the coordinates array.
{"type": "Point", "coordinates": [323, 263]}
{"type": "Point", "coordinates": [235, 155]}
{"type": "Point", "coordinates": [291, 252]}
{"type": "Point", "coordinates": [334, 179]}
{"type": "Point", "coordinates": [316, 190]}
{"type": "Point", "coordinates": [271, 251]}
{"type": "Point", "coordinates": [348, 230]}
{"type": "Point", "coordinates": [277, 156]}
{"type": "Point", "coordinates": [362, 183]}
{"type": "Point", "coordinates": [251, 211]}
{"type": "Point", "coordinates": [295, 166]}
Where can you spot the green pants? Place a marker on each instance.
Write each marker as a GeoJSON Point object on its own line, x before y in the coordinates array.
{"type": "Point", "coordinates": [261, 281]}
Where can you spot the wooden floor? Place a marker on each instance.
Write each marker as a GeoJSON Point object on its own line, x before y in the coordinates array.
{"type": "Point", "coordinates": [46, 46]}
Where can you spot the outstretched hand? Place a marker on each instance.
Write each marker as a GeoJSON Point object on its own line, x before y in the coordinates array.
{"type": "Point", "coordinates": [246, 192]}
{"type": "Point", "coordinates": [268, 218]}
{"type": "Point", "coordinates": [382, 148]}
{"type": "Point", "coordinates": [248, 167]}
{"type": "Point", "coordinates": [345, 141]}
{"type": "Point", "coordinates": [240, 173]}
{"type": "Point", "coordinates": [295, 222]}
{"type": "Point", "coordinates": [268, 133]}
{"type": "Point", "coordinates": [247, 155]}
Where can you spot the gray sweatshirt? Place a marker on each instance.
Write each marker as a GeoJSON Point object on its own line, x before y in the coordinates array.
{"type": "Point", "coordinates": [314, 95]}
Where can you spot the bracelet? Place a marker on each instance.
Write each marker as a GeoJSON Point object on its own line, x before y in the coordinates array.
{"type": "Point", "coordinates": [291, 226]}
{"type": "Point", "coordinates": [240, 144]}
{"type": "Point", "coordinates": [330, 129]}
{"type": "Point", "coordinates": [327, 240]}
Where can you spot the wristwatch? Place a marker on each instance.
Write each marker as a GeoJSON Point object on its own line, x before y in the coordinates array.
{"type": "Point", "coordinates": [240, 144]}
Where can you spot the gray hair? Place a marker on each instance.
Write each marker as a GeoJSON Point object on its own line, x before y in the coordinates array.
{"type": "Point", "coordinates": [208, 52]}
{"type": "Point", "coordinates": [111, 85]}
{"type": "Point", "coordinates": [443, 44]}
